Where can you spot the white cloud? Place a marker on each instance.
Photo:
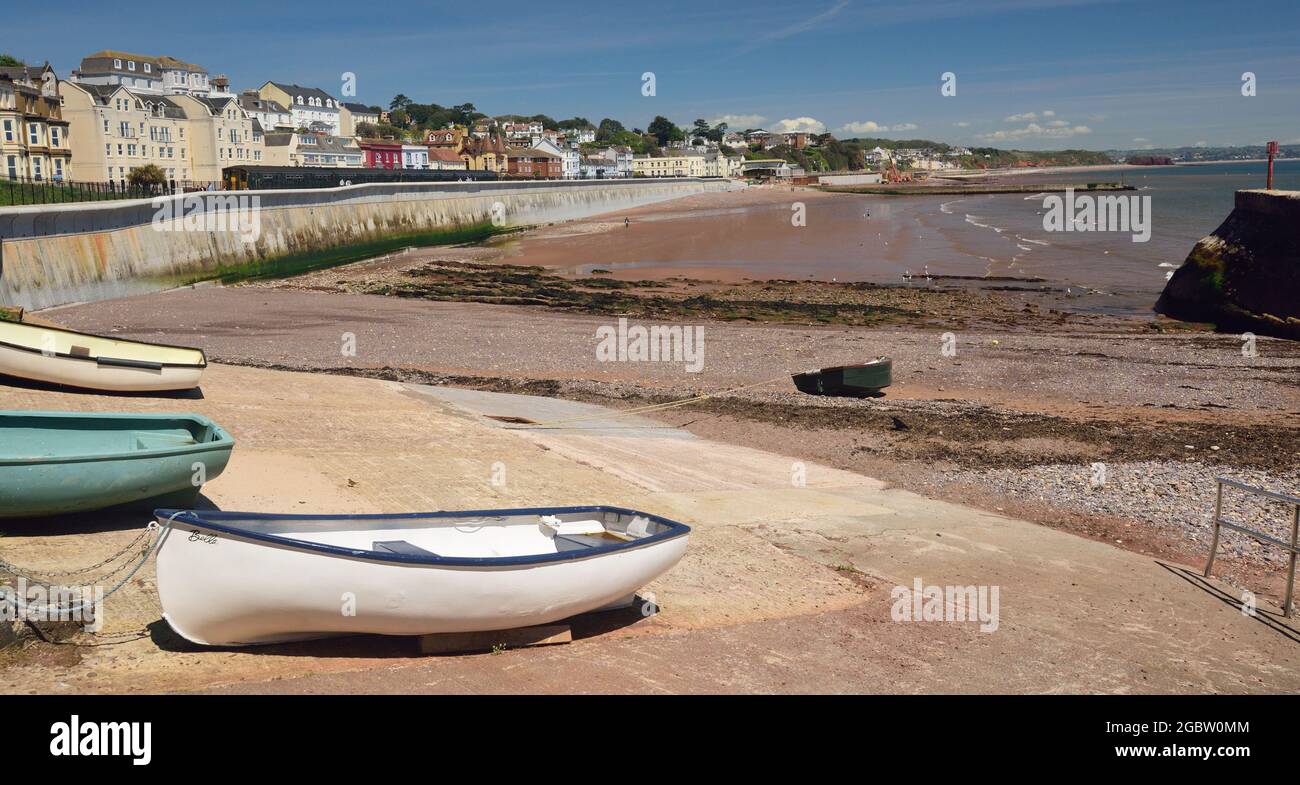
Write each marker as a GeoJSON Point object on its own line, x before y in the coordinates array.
{"type": "Point", "coordinates": [962, 124]}
{"type": "Point", "coordinates": [1058, 124]}
{"type": "Point", "coordinates": [1035, 131]}
{"type": "Point", "coordinates": [799, 124]}
{"type": "Point", "coordinates": [872, 127]}
{"type": "Point", "coordinates": [866, 127]}
{"type": "Point", "coordinates": [1028, 117]}
{"type": "Point", "coordinates": [739, 121]}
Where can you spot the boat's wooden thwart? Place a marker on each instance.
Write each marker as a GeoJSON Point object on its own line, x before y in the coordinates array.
{"type": "Point", "coordinates": [53, 463]}
{"type": "Point", "coordinates": [232, 578]}
{"type": "Point", "coordinates": [94, 362]}
{"type": "Point", "coordinates": [854, 380]}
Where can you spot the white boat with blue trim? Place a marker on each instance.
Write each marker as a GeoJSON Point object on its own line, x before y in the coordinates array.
{"type": "Point", "coordinates": [235, 578]}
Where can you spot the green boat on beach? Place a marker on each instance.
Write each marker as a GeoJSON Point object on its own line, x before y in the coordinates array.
{"type": "Point", "coordinates": [859, 380]}
{"type": "Point", "coordinates": [53, 463]}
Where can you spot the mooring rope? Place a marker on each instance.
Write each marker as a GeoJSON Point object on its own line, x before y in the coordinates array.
{"type": "Point", "coordinates": [146, 553]}
{"type": "Point", "coordinates": [653, 407]}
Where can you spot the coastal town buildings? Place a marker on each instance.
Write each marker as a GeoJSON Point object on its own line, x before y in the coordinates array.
{"type": "Point", "coordinates": [533, 162]}
{"type": "Point", "coordinates": [291, 148]}
{"type": "Point", "coordinates": [221, 135]}
{"type": "Point", "coordinates": [485, 154]}
{"type": "Point", "coordinates": [34, 138]}
{"type": "Point", "coordinates": [452, 138]}
{"type": "Point", "coordinates": [381, 153]}
{"type": "Point", "coordinates": [270, 114]}
{"type": "Point", "coordinates": [415, 156]}
{"type": "Point", "coordinates": [310, 108]}
{"type": "Point", "coordinates": [361, 113]}
{"type": "Point", "coordinates": [570, 157]}
{"type": "Point", "coordinates": [444, 159]}
{"type": "Point", "coordinates": [113, 131]}
{"type": "Point", "coordinates": [143, 73]}
{"type": "Point", "coordinates": [688, 165]}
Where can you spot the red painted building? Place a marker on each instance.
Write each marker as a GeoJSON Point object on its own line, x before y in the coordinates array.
{"type": "Point", "coordinates": [534, 163]}
{"type": "Point", "coordinates": [381, 153]}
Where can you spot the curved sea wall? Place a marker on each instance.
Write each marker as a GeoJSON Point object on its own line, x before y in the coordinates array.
{"type": "Point", "coordinates": [1246, 275]}
{"type": "Point", "coordinates": [56, 254]}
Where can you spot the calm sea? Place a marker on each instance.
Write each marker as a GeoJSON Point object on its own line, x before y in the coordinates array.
{"type": "Point", "coordinates": [896, 239]}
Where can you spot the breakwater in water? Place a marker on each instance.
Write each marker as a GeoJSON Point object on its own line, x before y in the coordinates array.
{"type": "Point", "coordinates": [56, 254]}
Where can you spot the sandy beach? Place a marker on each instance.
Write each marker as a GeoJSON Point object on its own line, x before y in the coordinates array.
{"type": "Point", "coordinates": [977, 466]}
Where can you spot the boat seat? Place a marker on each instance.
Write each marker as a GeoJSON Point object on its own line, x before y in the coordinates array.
{"type": "Point", "coordinates": [578, 542]}
{"type": "Point", "coordinates": [400, 546]}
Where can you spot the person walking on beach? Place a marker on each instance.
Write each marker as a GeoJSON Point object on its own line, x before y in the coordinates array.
{"type": "Point", "coordinates": [627, 222]}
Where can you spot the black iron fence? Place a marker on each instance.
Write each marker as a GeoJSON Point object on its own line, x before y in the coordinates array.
{"type": "Point", "coordinates": [25, 190]}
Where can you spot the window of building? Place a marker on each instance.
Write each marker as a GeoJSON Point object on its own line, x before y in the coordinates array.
{"type": "Point", "coordinates": [54, 136]}
{"type": "Point", "coordinates": [12, 163]}
{"type": "Point", "coordinates": [130, 65]}
{"type": "Point", "coordinates": [58, 168]}
{"type": "Point", "coordinates": [36, 168]}
{"type": "Point", "coordinates": [9, 130]}
{"type": "Point", "coordinates": [148, 68]}
{"type": "Point", "coordinates": [33, 133]}
{"type": "Point", "coordinates": [116, 64]}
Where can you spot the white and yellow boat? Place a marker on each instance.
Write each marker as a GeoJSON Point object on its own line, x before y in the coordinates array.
{"type": "Point", "coordinates": [93, 362]}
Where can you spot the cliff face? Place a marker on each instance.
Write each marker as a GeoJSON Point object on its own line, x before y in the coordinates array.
{"type": "Point", "coordinates": [1246, 275]}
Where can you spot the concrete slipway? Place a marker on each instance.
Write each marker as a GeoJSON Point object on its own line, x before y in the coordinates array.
{"type": "Point", "coordinates": [785, 587]}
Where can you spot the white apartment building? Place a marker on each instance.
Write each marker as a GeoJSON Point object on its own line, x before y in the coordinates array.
{"type": "Point", "coordinates": [693, 165]}
{"type": "Point", "coordinates": [143, 73]}
{"type": "Point", "coordinates": [415, 156]}
{"type": "Point", "coordinates": [310, 108]}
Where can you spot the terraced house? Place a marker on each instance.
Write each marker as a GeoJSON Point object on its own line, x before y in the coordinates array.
{"type": "Point", "coordinates": [222, 134]}
{"type": "Point", "coordinates": [116, 130]}
{"type": "Point", "coordinates": [34, 141]}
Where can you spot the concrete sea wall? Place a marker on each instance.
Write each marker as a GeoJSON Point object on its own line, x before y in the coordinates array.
{"type": "Point", "coordinates": [56, 254]}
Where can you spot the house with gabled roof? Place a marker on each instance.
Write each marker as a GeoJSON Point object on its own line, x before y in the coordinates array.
{"type": "Point", "coordinates": [310, 108]}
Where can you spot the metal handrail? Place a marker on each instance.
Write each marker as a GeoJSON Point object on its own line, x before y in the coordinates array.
{"type": "Point", "coordinates": [1220, 522]}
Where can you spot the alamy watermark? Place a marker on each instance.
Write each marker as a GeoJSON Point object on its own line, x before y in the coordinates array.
{"type": "Point", "coordinates": [1106, 213]}
{"type": "Point", "coordinates": [946, 604]}
{"type": "Point", "coordinates": [211, 212]}
{"type": "Point", "coordinates": [37, 602]}
{"type": "Point", "coordinates": [657, 343]}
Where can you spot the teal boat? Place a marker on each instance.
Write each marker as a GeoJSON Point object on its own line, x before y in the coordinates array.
{"type": "Point", "coordinates": [52, 463]}
{"type": "Point", "coordinates": [861, 380]}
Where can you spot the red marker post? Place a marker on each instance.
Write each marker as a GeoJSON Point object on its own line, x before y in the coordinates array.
{"type": "Point", "coordinates": [1272, 151]}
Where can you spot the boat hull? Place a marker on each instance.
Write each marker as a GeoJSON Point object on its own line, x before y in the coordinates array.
{"type": "Point", "coordinates": [60, 463]}
{"type": "Point", "coordinates": [55, 356]}
{"type": "Point", "coordinates": [223, 589]}
{"type": "Point", "coordinates": [850, 380]}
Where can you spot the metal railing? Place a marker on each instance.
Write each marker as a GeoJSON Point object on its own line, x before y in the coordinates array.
{"type": "Point", "coordinates": [16, 191]}
{"type": "Point", "coordinates": [1291, 547]}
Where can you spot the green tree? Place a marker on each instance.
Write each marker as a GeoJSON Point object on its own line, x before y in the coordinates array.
{"type": "Point", "coordinates": [400, 101]}
{"type": "Point", "coordinates": [665, 130]}
{"type": "Point", "coordinates": [147, 177]}
{"type": "Point", "coordinates": [10, 61]}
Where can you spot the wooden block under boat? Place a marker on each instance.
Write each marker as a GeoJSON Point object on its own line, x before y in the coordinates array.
{"type": "Point", "coordinates": [461, 642]}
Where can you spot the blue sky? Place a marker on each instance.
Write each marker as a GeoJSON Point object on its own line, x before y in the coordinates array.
{"type": "Point", "coordinates": [1031, 74]}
